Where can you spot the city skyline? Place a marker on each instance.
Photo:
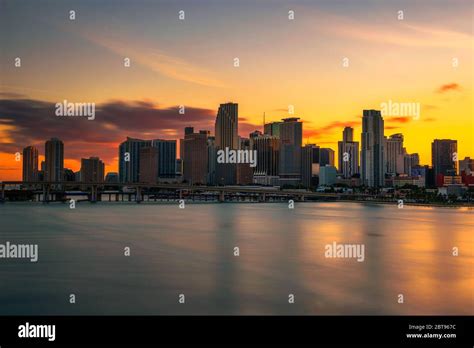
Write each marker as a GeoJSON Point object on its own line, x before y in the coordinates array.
{"type": "Point", "coordinates": [285, 160]}
{"type": "Point", "coordinates": [423, 58]}
{"type": "Point", "coordinates": [267, 127]}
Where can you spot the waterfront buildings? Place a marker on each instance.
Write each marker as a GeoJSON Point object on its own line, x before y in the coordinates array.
{"type": "Point", "coordinates": [348, 154]}
{"type": "Point", "coordinates": [30, 163]}
{"type": "Point", "coordinates": [372, 152]}
{"type": "Point", "coordinates": [92, 170]}
{"type": "Point", "coordinates": [291, 136]}
{"type": "Point", "coordinates": [54, 160]}
{"type": "Point", "coordinates": [444, 156]}
{"type": "Point", "coordinates": [310, 165]}
{"type": "Point", "coordinates": [195, 158]}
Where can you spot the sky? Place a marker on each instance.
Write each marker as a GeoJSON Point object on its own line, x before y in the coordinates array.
{"type": "Point", "coordinates": [190, 62]}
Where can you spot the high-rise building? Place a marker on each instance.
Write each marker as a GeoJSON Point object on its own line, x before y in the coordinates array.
{"type": "Point", "coordinates": [211, 160]}
{"type": "Point", "coordinates": [348, 134]}
{"type": "Point", "coordinates": [410, 160]}
{"type": "Point", "coordinates": [443, 156]}
{"type": "Point", "coordinates": [150, 164]}
{"type": "Point", "coordinates": [466, 165]}
{"type": "Point", "coordinates": [268, 159]}
{"type": "Point", "coordinates": [30, 163]}
{"type": "Point", "coordinates": [394, 155]}
{"type": "Point", "coordinates": [272, 129]}
{"type": "Point", "coordinates": [166, 157]}
{"type": "Point", "coordinates": [326, 156]}
{"type": "Point", "coordinates": [226, 136]}
{"type": "Point", "coordinates": [310, 165]}
{"type": "Point", "coordinates": [195, 158]}
{"type": "Point", "coordinates": [227, 126]}
{"type": "Point", "coordinates": [129, 159]}
{"type": "Point", "coordinates": [54, 160]}
{"type": "Point", "coordinates": [348, 154]}
{"type": "Point", "coordinates": [92, 170]}
{"type": "Point", "coordinates": [291, 137]}
{"type": "Point", "coordinates": [327, 175]}
{"type": "Point", "coordinates": [181, 149]}
{"type": "Point", "coordinates": [372, 152]}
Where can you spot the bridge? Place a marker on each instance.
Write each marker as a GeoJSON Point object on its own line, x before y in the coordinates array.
{"type": "Point", "coordinates": [50, 190]}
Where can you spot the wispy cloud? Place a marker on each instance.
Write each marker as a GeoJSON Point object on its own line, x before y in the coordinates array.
{"type": "Point", "coordinates": [448, 87]}
{"type": "Point", "coordinates": [26, 122]}
{"type": "Point", "coordinates": [157, 61]}
{"type": "Point", "coordinates": [403, 34]}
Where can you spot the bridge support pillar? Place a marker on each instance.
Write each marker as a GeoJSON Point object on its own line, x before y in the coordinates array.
{"type": "Point", "coordinates": [2, 197]}
{"type": "Point", "coordinates": [138, 194]}
{"type": "Point", "coordinates": [93, 194]}
{"type": "Point", "coordinates": [222, 196]}
{"type": "Point", "coordinates": [46, 189]}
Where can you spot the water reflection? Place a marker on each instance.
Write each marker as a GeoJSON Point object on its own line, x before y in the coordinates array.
{"type": "Point", "coordinates": [407, 251]}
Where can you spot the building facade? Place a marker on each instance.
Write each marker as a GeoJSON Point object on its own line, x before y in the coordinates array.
{"type": "Point", "coordinates": [372, 152]}
{"type": "Point", "coordinates": [291, 137]}
{"type": "Point", "coordinates": [30, 163]}
{"type": "Point", "coordinates": [54, 160]}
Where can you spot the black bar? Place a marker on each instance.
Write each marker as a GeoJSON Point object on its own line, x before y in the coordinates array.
{"type": "Point", "coordinates": [223, 330]}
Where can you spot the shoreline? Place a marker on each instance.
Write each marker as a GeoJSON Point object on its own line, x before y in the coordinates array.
{"type": "Point", "coordinates": [168, 202]}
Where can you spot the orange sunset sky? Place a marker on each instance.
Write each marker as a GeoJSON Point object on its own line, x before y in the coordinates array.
{"type": "Point", "coordinates": [426, 58]}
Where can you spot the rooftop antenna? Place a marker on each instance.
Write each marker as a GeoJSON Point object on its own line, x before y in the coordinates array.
{"type": "Point", "coordinates": [264, 122]}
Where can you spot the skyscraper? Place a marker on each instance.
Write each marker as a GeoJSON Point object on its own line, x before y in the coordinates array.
{"type": "Point", "coordinates": [268, 159]}
{"type": "Point", "coordinates": [348, 153]}
{"type": "Point", "coordinates": [291, 136]}
{"type": "Point", "coordinates": [394, 154]}
{"type": "Point", "coordinates": [227, 126]}
{"type": "Point", "coordinates": [129, 159]}
{"type": "Point", "coordinates": [92, 169]}
{"type": "Point", "coordinates": [30, 163]}
{"type": "Point", "coordinates": [466, 165]}
{"type": "Point", "coordinates": [410, 160]}
{"type": "Point", "coordinates": [211, 160]}
{"type": "Point", "coordinates": [166, 157]}
{"type": "Point", "coordinates": [54, 160]}
{"type": "Point", "coordinates": [372, 153]}
{"type": "Point", "coordinates": [348, 134]}
{"type": "Point", "coordinates": [150, 164]}
{"type": "Point", "coordinates": [443, 156]}
{"type": "Point", "coordinates": [310, 165]}
{"type": "Point", "coordinates": [272, 129]}
{"type": "Point", "coordinates": [226, 134]}
{"type": "Point", "coordinates": [195, 158]}
{"type": "Point", "coordinates": [326, 156]}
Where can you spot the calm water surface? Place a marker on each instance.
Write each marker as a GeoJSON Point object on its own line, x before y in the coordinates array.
{"type": "Point", "coordinates": [174, 251]}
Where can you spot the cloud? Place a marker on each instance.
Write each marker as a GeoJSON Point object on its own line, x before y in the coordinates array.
{"type": "Point", "coordinates": [403, 34]}
{"type": "Point", "coordinates": [325, 130]}
{"type": "Point", "coordinates": [398, 119]}
{"type": "Point", "coordinates": [26, 122]}
{"type": "Point", "coordinates": [448, 87]}
{"type": "Point", "coordinates": [156, 60]}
